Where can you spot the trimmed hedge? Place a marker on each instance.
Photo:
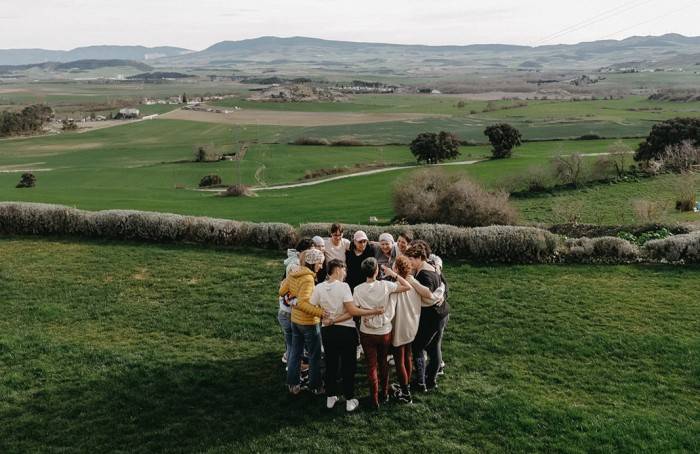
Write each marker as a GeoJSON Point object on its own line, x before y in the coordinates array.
{"type": "Point", "coordinates": [593, 230]}
{"type": "Point", "coordinates": [507, 244]}
{"type": "Point", "coordinates": [504, 244]}
{"type": "Point", "coordinates": [675, 249]}
{"type": "Point", "coordinates": [606, 249]}
{"type": "Point", "coordinates": [43, 219]}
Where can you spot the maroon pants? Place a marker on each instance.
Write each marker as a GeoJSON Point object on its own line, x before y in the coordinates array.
{"type": "Point", "coordinates": [403, 358]}
{"type": "Point", "coordinates": [376, 349]}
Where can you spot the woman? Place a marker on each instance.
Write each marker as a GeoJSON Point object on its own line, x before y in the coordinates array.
{"type": "Point", "coordinates": [375, 330]}
{"type": "Point", "coordinates": [284, 315]}
{"type": "Point", "coordinates": [385, 253]}
{"type": "Point", "coordinates": [407, 315]}
{"type": "Point", "coordinates": [360, 249]}
{"type": "Point", "coordinates": [305, 318]}
{"type": "Point", "coordinates": [402, 243]}
{"type": "Point", "coordinates": [339, 334]}
{"type": "Point", "coordinates": [336, 245]}
{"type": "Point", "coordinates": [433, 318]}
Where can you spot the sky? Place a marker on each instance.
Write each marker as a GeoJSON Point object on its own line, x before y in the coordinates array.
{"type": "Point", "coordinates": [197, 24]}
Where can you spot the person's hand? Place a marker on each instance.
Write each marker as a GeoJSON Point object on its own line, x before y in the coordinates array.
{"type": "Point", "coordinates": [326, 314]}
{"type": "Point", "coordinates": [379, 311]}
{"type": "Point", "coordinates": [327, 321]}
{"type": "Point", "coordinates": [388, 271]}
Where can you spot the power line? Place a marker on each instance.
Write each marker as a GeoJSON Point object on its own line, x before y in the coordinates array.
{"type": "Point", "coordinates": [654, 19]}
{"type": "Point", "coordinates": [605, 15]}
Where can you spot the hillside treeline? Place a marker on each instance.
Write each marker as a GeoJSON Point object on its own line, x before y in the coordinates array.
{"type": "Point", "coordinates": [29, 120]}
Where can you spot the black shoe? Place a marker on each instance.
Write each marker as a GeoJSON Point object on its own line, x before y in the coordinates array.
{"type": "Point", "coordinates": [431, 387]}
{"type": "Point", "coordinates": [419, 387]}
{"type": "Point", "coordinates": [404, 398]}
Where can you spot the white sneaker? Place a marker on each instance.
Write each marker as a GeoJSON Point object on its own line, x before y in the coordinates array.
{"type": "Point", "coordinates": [391, 360]}
{"type": "Point", "coordinates": [351, 404]}
{"type": "Point", "coordinates": [330, 401]}
{"type": "Point", "coordinates": [284, 358]}
{"type": "Point", "coordinates": [359, 352]}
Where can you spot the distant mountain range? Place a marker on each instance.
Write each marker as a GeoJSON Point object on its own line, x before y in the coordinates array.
{"type": "Point", "coordinates": [78, 65]}
{"type": "Point", "coordinates": [140, 53]}
{"type": "Point", "coordinates": [386, 58]}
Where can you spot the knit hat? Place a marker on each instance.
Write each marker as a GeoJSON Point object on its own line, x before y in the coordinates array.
{"type": "Point", "coordinates": [313, 256]}
{"type": "Point", "coordinates": [318, 241]}
{"type": "Point", "coordinates": [386, 237]}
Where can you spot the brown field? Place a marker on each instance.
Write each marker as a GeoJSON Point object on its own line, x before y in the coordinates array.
{"type": "Point", "coordinates": [269, 117]}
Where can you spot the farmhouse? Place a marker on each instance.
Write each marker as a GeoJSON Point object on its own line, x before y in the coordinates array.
{"type": "Point", "coordinates": [129, 113]}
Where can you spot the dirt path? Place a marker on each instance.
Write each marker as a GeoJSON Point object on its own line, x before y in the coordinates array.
{"type": "Point", "coordinates": [342, 177]}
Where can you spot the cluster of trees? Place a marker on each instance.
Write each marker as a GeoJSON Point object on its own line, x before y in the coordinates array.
{"type": "Point", "coordinates": [666, 134]}
{"type": "Point", "coordinates": [29, 120]}
{"type": "Point", "coordinates": [433, 148]}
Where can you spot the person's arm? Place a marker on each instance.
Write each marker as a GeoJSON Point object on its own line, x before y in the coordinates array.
{"type": "Point", "coordinates": [421, 289]}
{"type": "Point", "coordinates": [354, 311]}
{"type": "Point", "coordinates": [402, 285]}
{"type": "Point", "coordinates": [284, 288]}
{"type": "Point", "coordinates": [304, 301]}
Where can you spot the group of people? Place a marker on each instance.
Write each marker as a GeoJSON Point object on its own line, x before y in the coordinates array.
{"type": "Point", "coordinates": [340, 298]}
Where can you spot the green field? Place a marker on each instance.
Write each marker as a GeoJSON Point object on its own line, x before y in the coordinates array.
{"type": "Point", "coordinates": [118, 346]}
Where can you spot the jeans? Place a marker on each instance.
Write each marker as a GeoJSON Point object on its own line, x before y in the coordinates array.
{"type": "Point", "coordinates": [340, 346]}
{"type": "Point", "coordinates": [305, 336]}
{"type": "Point", "coordinates": [285, 320]}
{"type": "Point", "coordinates": [376, 349]}
{"type": "Point", "coordinates": [429, 340]}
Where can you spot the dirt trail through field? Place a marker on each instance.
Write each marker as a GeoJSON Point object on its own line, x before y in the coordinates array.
{"type": "Point", "coordinates": [342, 177]}
{"type": "Point", "coordinates": [289, 118]}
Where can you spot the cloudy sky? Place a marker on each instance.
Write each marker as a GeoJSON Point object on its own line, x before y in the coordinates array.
{"type": "Point", "coordinates": [196, 24]}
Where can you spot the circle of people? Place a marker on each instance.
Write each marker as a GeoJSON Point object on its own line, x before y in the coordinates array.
{"type": "Point", "coordinates": [340, 298]}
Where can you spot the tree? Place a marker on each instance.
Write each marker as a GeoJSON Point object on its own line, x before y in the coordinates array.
{"type": "Point", "coordinates": [432, 148]}
{"type": "Point", "coordinates": [184, 98]}
{"type": "Point", "coordinates": [503, 138]}
{"type": "Point", "coordinates": [668, 133]}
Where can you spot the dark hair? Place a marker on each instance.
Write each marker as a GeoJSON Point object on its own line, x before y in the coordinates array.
{"type": "Point", "coordinates": [425, 246]}
{"type": "Point", "coordinates": [335, 227]}
{"type": "Point", "coordinates": [368, 267]}
{"type": "Point", "coordinates": [403, 266]}
{"type": "Point", "coordinates": [304, 244]}
{"type": "Point", "coordinates": [333, 264]}
{"type": "Point", "coordinates": [416, 251]}
{"type": "Point", "coordinates": [407, 235]}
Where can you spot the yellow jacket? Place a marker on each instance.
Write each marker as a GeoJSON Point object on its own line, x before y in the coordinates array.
{"type": "Point", "coordinates": [300, 284]}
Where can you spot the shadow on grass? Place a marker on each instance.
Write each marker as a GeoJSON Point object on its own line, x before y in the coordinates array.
{"type": "Point", "coordinates": [158, 407]}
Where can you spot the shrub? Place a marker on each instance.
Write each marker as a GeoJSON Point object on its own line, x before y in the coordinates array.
{"type": "Point", "coordinates": [669, 132]}
{"type": "Point", "coordinates": [41, 219]}
{"type": "Point", "coordinates": [681, 157]}
{"type": "Point", "coordinates": [645, 236]}
{"type": "Point", "coordinates": [206, 153]}
{"type": "Point", "coordinates": [503, 138]}
{"type": "Point", "coordinates": [210, 180]}
{"type": "Point", "coordinates": [28, 180]}
{"type": "Point", "coordinates": [415, 197]}
{"type": "Point", "coordinates": [603, 168]}
{"type": "Point", "coordinates": [619, 154]}
{"type": "Point", "coordinates": [589, 137]}
{"type": "Point", "coordinates": [633, 231]}
{"type": "Point", "coordinates": [466, 203]}
{"type": "Point", "coordinates": [347, 143]}
{"type": "Point", "coordinates": [311, 141]}
{"type": "Point", "coordinates": [686, 193]}
{"type": "Point", "coordinates": [649, 210]}
{"type": "Point", "coordinates": [568, 169]}
{"type": "Point", "coordinates": [505, 244]}
{"type": "Point", "coordinates": [603, 249]}
{"type": "Point", "coordinates": [675, 249]}
{"type": "Point", "coordinates": [237, 190]}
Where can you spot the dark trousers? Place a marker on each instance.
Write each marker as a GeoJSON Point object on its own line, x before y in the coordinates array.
{"type": "Point", "coordinates": [340, 348]}
{"type": "Point", "coordinates": [376, 349]}
{"type": "Point", "coordinates": [429, 340]}
{"type": "Point", "coordinates": [403, 358]}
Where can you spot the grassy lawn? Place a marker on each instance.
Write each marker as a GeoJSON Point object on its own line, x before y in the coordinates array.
{"type": "Point", "coordinates": [159, 348]}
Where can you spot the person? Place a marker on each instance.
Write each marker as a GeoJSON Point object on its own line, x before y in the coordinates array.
{"type": "Point", "coordinates": [375, 330]}
{"type": "Point", "coordinates": [360, 249]}
{"type": "Point", "coordinates": [384, 253]}
{"type": "Point", "coordinates": [433, 319]}
{"type": "Point", "coordinates": [402, 242]}
{"type": "Point", "coordinates": [407, 315]}
{"type": "Point", "coordinates": [319, 244]}
{"type": "Point", "coordinates": [305, 318]}
{"type": "Point", "coordinates": [284, 314]}
{"type": "Point", "coordinates": [339, 334]}
{"type": "Point", "coordinates": [336, 245]}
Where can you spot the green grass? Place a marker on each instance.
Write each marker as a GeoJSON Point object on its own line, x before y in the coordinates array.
{"type": "Point", "coordinates": [155, 348]}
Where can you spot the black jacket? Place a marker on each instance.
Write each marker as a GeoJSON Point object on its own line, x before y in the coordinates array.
{"type": "Point", "coordinates": [353, 262]}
